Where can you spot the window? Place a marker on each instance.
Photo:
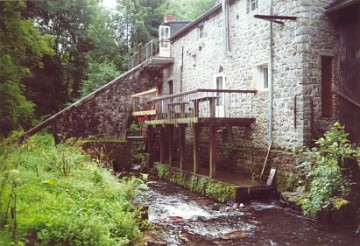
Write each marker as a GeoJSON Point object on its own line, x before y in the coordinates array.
{"type": "Point", "coordinates": [201, 33]}
{"type": "Point", "coordinates": [262, 77]}
{"type": "Point", "coordinates": [265, 77]}
{"type": "Point", "coordinates": [220, 81]}
{"type": "Point", "coordinates": [326, 81]}
{"type": "Point", "coordinates": [170, 87]}
{"type": "Point", "coordinates": [164, 36]}
{"type": "Point", "coordinates": [251, 5]}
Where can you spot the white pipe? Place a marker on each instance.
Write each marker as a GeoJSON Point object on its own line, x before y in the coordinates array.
{"type": "Point", "coordinates": [225, 27]}
{"type": "Point", "coordinates": [271, 75]}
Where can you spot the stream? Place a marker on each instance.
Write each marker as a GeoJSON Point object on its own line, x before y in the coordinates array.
{"type": "Point", "coordinates": [184, 218]}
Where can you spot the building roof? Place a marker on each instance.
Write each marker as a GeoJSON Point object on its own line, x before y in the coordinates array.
{"type": "Point", "coordinates": [339, 5]}
{"type": "Point", "coordinates": [194, 23]}
{"type": "Point", "coordinates": [175, 26]}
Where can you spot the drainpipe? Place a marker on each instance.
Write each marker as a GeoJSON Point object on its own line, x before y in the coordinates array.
{"type": "Point", "coordinates": [182, 69]}
{"type": "Point", "coordinates": [225, 27]}
{"type": "Point", "coordinates": [271, 75]}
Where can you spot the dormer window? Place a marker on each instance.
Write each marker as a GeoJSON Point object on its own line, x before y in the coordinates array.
{"type": "Point", "coordinates": [251, 5]}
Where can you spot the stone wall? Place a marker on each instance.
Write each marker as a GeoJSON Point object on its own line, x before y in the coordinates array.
{"type": "Point", "coordinates": [104, 114]}
{"type": "Point", "coordinates": [297, 48]}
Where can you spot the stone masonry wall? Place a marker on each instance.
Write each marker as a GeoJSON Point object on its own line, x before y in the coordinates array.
{"type": "Point", "coordinates": [297, 47]}
{"type": "Point", "coordinates": [318, 38]}
{"type": "Point", "coordinates": [103, 114]}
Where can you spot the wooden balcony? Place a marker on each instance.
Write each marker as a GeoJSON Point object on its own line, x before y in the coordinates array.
{"type": "Point", "coordinates": [203, 107]}
{"type": "Point", "coordinates": [211, 108]}
{"type": "Point", "coordinates": [148, 55]}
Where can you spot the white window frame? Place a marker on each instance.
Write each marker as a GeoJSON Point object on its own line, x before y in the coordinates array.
{"type": "Point", "coordinates": [164, 36]}
{"type": "Point", "coordinates": [262, 77]}
{"type": "Point", "coordinates": [220, 105]}
{"type": "Point", "coordinates": [251, 5]}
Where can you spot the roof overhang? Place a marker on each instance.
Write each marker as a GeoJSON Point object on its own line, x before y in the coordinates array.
{"type": "Point", "coordinates": [340, 6]}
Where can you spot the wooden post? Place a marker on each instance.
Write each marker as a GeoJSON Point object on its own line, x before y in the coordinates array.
{"type": "Point", "coordinates": [171, 144]}
{"type": "Point", "coordinates": [196, 150]}
{"type": "Point", "coordinates": [212, 149]}
{"type": "Point", "coordinates": [150, 143]}
{"type": "Point", "coordinates": [196, 108]}
{"type": "Point", "coordinates": [212, 107]}
{"type": "Point", "coordinates": [182, 146]}
{"type": "Point", "coordinates": [162, 145]}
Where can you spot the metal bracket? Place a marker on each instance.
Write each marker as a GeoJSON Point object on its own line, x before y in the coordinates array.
{"type": "Point", "coordinates": [276, 18]}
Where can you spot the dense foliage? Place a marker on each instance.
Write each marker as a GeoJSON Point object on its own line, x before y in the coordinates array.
{"type": "Point", "coordinates": [58, 196]}
{"type": "Point", "coordinates": [21, 49]}
{"type": "Point", "coordinates": [330, 178]}
{"type": "Point", "coordinates": [54, 52]}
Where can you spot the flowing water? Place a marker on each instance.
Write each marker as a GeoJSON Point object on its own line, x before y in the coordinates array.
{"type": "Point", "coordinates": [183, 218]}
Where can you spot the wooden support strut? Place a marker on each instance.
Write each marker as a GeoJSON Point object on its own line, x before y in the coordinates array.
{"type": "Point", "coordinates": [196, 150]}
{"type": "Point", "coordinates": [162, 144]}
{"type": "Point", "coordinates": [212, 150]}
{"type": "Point", "coordinates": [171, 144]}
{"type": "Point", "coordinates": [182, 146]}
{"type": "Point", "coordinates": [265, 161]}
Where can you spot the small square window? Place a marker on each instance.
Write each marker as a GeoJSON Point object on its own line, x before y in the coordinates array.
{"type": "Point", "coordinates": [251, 5]}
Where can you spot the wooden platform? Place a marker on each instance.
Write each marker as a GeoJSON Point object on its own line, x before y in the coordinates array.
{"type": "Point", "coordinates": [203, 122]}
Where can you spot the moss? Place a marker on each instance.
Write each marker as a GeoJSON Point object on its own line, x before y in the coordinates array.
{"type": "Point", "coordinates": [287, 182]}
{"type": "Point", "coordinates": [197, 183]}
{"type": "Point", "coordinates": [220, 191]}
{"type": "Point", "coordinates": [162, 171]}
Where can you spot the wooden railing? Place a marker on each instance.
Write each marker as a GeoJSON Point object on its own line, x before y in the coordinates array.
{"type": "Point", "coordinates": [144, 53]}
{"type": "Point", "coordinates": [216, 103]}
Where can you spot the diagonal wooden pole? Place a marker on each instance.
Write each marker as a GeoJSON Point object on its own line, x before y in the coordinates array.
{"type": "Point", "coordinates": [266, 158]}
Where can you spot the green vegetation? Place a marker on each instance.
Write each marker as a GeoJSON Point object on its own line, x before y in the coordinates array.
{"type": "Point", "coordinates": [53, 52]}
{"type": "Point", "coordinates": [189, 9]}
{"type": "Point", "coordinates": [21, 48]}
{"type": "Point", "coordinates": [197, 183]}
{"type": "Point", "coordinates": [58, 196]}
{"type": "Point", "coordinates": [329, 174]}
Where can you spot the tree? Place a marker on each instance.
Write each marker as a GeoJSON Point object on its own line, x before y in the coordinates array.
{"type": "Point", "coordinates": [138, 21]}
{"type": "Point", "coordinates": [189, 9]}
{"type": "Point", "coordinates": [21, 48]}
{"type": "Point", "coordinates": [98, 75]}
{"type": "Point", "coordinates": [68, 22]}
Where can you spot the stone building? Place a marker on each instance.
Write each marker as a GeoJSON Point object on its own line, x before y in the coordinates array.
{"type": "Point", "coordinates": [282, 55]}
{"type": "Point", "coordinates": [219, 92]}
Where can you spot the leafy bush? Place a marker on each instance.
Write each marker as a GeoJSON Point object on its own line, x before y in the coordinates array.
{"type": "Point", "coordinates": [57, 196]}
{"type": "Point", "coordinates": [327, 177]}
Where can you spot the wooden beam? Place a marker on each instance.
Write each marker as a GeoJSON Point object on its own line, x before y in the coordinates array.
{"type": "Point", "coordinates": [222, 122]}
{"type": "Point", "coordinates": [196, 150]}
{"type": "Point", "coordinates": [145, 112]}
{"type": "Point", "coordinates": [212, 150]}
{"type": "Point", "coordinates": [182, 146]}
{"type": "Point", "coordinates": [162, 145]}
{"type": "Point", "coordinates": [204, 122]}
{"type": "Point", "coordinates": [171, 144]}
{"type": "Point", "coordinates": [150, 140]}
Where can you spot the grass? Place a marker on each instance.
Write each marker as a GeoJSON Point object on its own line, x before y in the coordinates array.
{"type": "Point", "coordinates": [58, 196]}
